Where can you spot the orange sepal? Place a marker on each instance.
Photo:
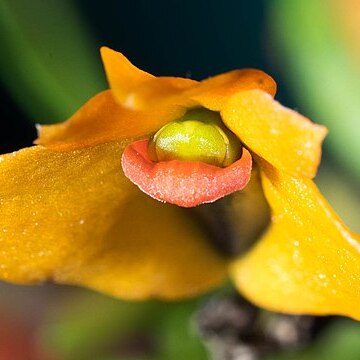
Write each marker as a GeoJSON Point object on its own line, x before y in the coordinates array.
{"type": "Point", "coordinates": [139, 103]}
{"type": "Point", "coordinates": [103, 120]}
{"type": "Point", "coordinates": [184, 183]}
{"type": "Point", "coordinates": [138, 90]}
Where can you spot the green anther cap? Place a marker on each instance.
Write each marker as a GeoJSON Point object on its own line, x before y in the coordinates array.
{"type": "Point", "coordinates": [199, 135]}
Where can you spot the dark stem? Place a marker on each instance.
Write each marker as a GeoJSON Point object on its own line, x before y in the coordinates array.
{"type": "Point", "coordinates": [234, 329]}
{"type": "Point", "coordinates": [236, 222]}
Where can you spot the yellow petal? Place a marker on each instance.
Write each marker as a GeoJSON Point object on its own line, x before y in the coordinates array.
{"type": "Point", "coordinates": [284, 138]}
{"type": "Point", "coordinates": [152, 250]}
{"type": "Point", "coordinates": [74, 217]}
{"type": "Point", "coordinates": [139, 90]}
{"type": "Point", "coordinates": [213, 93]}
{"type": "Point", "coordinates": [102, 120]}
{"type": "Point", "coordinates": [308, 261]}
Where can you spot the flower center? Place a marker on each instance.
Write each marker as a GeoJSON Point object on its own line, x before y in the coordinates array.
{"type": "Point", "coordinates": [199, 135]}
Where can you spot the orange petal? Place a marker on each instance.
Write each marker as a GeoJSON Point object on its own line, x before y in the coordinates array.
{"type": "Point", "coordinates": [74, 217]}
{"type": "Point", "coordinates": [284, 138]}
{"type": "Point", "coordinates": [102, 120]}
{"type": "Point", "coordinates": [184, 183]}
{"type": "Point", "coordinates": [213, 93]}
{"type": "Point", "coordinates": [308, 261]}
{"type": "Point", "coordinates": [138, 90]}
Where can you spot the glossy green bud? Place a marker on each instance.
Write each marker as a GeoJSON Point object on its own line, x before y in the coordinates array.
{"type": "Point", "coordinates": [199, 135]}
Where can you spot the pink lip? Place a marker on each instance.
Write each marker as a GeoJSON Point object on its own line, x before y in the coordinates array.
{"type": "Point", "coordinates": [184, 183]}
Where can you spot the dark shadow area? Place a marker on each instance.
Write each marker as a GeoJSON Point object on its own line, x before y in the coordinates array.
{"type": "Point", "coordinates": [182, 38]}
{"type": "Point", "coordinates": [16, 129]}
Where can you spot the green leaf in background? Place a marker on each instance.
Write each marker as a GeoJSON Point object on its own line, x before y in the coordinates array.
{"type": "Point", "coordinates": [178, 333]}
{"type": "Point", "coordinates": [340, 341]}
{"type": "Point", "coordinates": [316, 63]}
{"type": "Point", "coordinates": [86, 325]}
{"type": "Point", "coordinates": [49, 59]}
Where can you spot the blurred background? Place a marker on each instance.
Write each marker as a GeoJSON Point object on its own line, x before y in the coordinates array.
{"type": "Point", "coordinates": [50, 65]}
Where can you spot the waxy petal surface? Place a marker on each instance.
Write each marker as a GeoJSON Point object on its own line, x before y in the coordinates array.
{"type": "Point", "coordinates": [283, 137]}
{"type": "Point", "coordinates": [74, 217]}
{"type": "Point", "coordinates": [308, 261]}
{"type": "Point", "coordinates": [184, 183]}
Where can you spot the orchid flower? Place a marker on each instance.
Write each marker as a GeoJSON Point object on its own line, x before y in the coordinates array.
{"type": "Point", "coordinates": [103, 199]}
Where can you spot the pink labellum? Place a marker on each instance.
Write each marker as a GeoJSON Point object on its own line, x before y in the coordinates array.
{"type": "Point", "coordinates": [184, 183]}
